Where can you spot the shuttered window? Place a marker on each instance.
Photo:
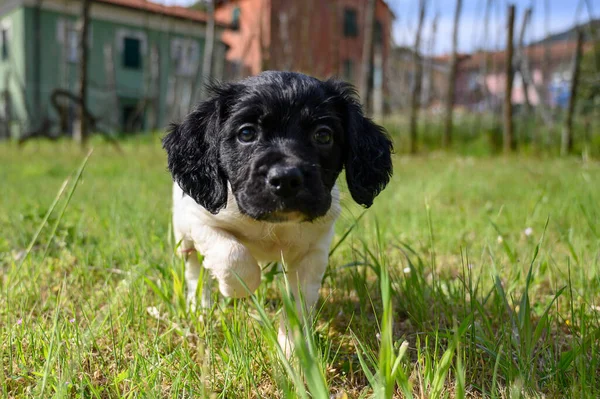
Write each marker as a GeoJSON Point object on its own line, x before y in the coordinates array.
{"type": "Point", "coordinates": [132, 55]}
{"type": "Point", "coordinates": [235, 18]}
{"type": "Point", "coordinates": [350, 22]}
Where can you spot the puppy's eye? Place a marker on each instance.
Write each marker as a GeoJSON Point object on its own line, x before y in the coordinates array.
{"type": "Point", "coordinates": [323, 136]}
{"type": "Point", "coordinates": [247, 134]}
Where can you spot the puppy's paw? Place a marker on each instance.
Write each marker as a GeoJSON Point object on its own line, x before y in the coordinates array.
{"type": "Point", "coordinates": [285, 340]}
{"type": "Point", "coordinates": [238, 274]}
{"type": "Point", "coordinates": [239, 285]}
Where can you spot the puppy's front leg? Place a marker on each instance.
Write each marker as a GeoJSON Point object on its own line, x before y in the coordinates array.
{"type": "Point", "coordinates": [192, 274]}
{"type": "Point", "coordinates": [192, 277]}
{"type": "Point", "coordinates": [304, 278]}
{"type": "Point", "coordinates": [228, 260]}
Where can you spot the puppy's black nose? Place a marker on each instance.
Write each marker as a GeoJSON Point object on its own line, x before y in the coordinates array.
{"type": "Point", "coordinates": [285, 181]}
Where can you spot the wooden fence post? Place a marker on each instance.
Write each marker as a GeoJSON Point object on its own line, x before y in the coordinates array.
{"type": "Point", "coordinates": [367, 55]}
{"type": "Point", "coordinates": [509, 138]}
{"type": "Point", "coordinates": [81, 136]}
{"type": "Point", "coordinates": [567, 133]}
{"type": "Point", "coordinates": [522, 59]}
{"type": "Point", "coordinates": [447, 139]}
{"type": "Point", "coordinates": [417, 78]}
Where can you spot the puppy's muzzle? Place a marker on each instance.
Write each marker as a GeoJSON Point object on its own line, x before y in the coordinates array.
{"type": "Point", "coordinates": [285, 181]}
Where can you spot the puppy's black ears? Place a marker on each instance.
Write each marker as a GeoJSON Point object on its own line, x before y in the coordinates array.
{"type": "Point", "coordinates": [368, 149]}
{"type": "Point", "coordinates": [193, 152]}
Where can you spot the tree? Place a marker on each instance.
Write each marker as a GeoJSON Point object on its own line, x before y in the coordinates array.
{"type": "Point", "coordinates": [37, 51]}
{"type": "Point", "coordinates": [418, 77]}
{"type": "Point", "coordinates": [209, 46]}
{"type": "Point", "coordinates": [522, 57]}
{"type": "Point", "coordinates": [589, 91]}
{"type": "Point", "coordinates": [509, 138]}
{"type": "Point", "coordinates": [81, 136]}
{"type": "Point", "coordinates": [447, 140]}
{"type": "Point", "coordinates": [367, 54]}
{"type": "Point", "coordinates": [567, 133]}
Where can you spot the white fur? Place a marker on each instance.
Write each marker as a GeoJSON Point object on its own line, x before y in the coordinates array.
{"type": "Point", "coordinates": [234, 247]}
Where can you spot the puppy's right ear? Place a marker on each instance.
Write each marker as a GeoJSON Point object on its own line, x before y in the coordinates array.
{"type": "Point", "coordinates": [193, 153]}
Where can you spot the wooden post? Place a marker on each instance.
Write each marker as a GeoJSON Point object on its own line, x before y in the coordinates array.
{"type": "Point", "coordinates": [37, 63]}
{"type": "Point", "coordinates": [81, 136]}
{"type": "Point", "coordinates": [7, 105]}
{"type": "Point", "coordinates": [155, 84]}
{"type": "Point", "coordinates": [111, 84]}
{"type": "Point", "coordinates": [447, 139]}
{"type": "Point", "coordinates": [287, 49]}
{"type": "Point", "coordinates": [418, 76]}
{"type": "Point", "coordinates": [509, 138]}
{"type": "Point", "coordinates": [542, 106]}
{"type": "Point", "coordinates": [367, 55]}
{"type": "Point", "coordinates": [528, 80]}
{"type": "Point", "coordinates": [306, 63]}
{"type": "Point", "coordinates": [483, 65]}
{"type": "Point", "coordinates": [263, 37]}
{"type": "Point", "coordinates": [335, 29]}
{"type": "Point", "coordinates": [209, 47]}
{"type": "Point", "coordinates": [547, 58]}
{"type": "Point", "coordinates": [430, 64]}
{"type": "Point", "coordinates": [523, 57]}
{"type": "Point", "coordinates": [378, 73]}
{"type": "Point", "coordinates": [567, 133]}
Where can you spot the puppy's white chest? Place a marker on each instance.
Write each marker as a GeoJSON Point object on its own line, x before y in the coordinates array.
{"type": "Point", "coordinates": [267, 242]}
{"type": "Point", "coordinates": [285, 243]}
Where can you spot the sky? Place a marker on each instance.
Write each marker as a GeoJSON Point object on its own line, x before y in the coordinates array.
{"type": "Point", "coordinates": [548, 16]}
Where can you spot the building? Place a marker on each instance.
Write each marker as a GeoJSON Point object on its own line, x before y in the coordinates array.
{"type": "Point", "coordinates": [480, 81]}
{"type": "Point", "coordinates": [480, 77]}
{"type": "Point", "coordinates": [144, 63]}
{"type": "Point", "coordinates": [320, 38]}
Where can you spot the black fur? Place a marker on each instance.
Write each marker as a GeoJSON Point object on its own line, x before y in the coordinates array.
{"type": "Point", "coordinates": [285, 110]}
{"type": "Point", "coordinates": [193, 151]}
{"type": "Point", "coordinates": [368, 149]}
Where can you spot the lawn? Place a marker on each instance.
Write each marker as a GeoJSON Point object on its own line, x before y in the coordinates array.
{"type": "Point", "coordinates": [469, 276]}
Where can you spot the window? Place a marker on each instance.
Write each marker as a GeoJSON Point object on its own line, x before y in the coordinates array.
{"type": "Point", "coordinates": [348, 72]}
{"type": "Point", "coordinates": [132, 47]}
{"type": "Point", "coordinates": [132, 54]}
{"type": "Point", "coordinates": [378, 33]}
{"type": "Point", "coordinates": [235, 18]}
{"type": "Point", "coordinates": [4, 43]}
{"type": "Point", "coordinates": [350, 23]}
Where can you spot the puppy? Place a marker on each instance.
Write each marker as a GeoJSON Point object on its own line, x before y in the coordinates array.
{"type": "Point", "coordinates": [255, 169]}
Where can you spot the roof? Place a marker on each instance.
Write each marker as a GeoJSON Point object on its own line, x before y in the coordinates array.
{"type": "Point", "coordinates": [536, 54]}
{"type": "Point", "coordinates": [392, 13]}
{"type": "Point", "coordinates": [386, 5]}
{"type": "Point", "coordinates": [155, 8]}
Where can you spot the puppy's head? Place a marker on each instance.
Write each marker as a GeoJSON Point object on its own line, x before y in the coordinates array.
{"type": "Point", "coordinates": [280, 140]}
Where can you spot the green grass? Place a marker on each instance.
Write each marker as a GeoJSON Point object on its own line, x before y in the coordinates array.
{"type": "Point", "coordinates": [437, 291]}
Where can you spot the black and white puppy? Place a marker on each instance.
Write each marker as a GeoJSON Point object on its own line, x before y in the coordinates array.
{"type": "Point", "coordinates": [255, 169]}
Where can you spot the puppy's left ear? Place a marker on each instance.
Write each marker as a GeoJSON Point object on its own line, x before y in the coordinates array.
{"type": "Point", "coordinates": [368, 161]}
{"type": "Point", "coordinates": [193, 151]}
